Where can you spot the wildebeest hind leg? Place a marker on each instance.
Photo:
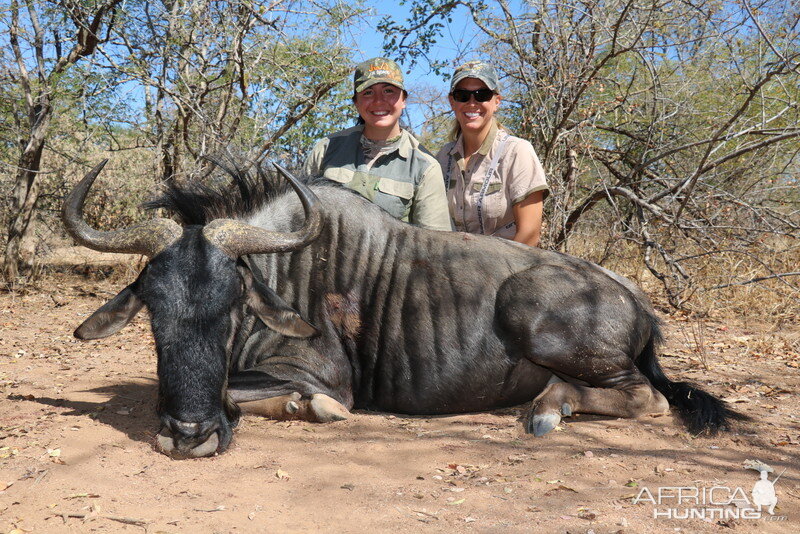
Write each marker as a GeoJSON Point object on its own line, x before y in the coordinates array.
{"type": "Point", "coordinates": [564, 399]}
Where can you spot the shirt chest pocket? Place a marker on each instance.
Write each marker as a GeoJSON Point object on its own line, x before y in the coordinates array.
{"type": "Point", "coordinates": [395, 197]}
{"type": "Point", "coordinates": [338, 174]}
{"type": "Point", "coordinates": [493, 203]}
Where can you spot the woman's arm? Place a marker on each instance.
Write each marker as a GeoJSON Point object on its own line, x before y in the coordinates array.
{"type": "Point", "coordinates": [430, 201]}
{"type": "Point", "coordinates": [528, 217]}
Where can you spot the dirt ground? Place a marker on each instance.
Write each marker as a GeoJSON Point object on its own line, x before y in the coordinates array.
{"type": "Point", "coordinates": [77, 421]}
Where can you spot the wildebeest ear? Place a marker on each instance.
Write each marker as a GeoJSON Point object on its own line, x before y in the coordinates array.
{"type": "Point", "coordinates": [111, 317]}
{"type": "Point", "coordinates": [272, 309]}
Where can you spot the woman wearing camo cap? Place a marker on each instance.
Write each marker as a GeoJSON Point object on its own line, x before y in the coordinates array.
{"type": "Point", "coordinates": [496, 184]}
{"type": "Point", "coordinates": [379, 159]}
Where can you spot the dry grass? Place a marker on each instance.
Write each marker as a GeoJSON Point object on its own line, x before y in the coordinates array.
{"type": "Point", "coordinates": [775, 300]}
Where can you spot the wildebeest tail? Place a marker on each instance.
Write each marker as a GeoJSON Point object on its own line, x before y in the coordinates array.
{"type": "Point", "coordinates": [699, 411]}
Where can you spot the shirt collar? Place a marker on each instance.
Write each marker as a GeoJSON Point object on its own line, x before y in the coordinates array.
{"type": "Point", "coordinates": [403, 146]}
{"type": "Point", "coordinates": [458, 146]}
{"type": "Point", "coordinates": [489, 141]}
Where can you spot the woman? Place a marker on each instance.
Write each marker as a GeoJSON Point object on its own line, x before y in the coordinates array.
{"type": "Point", "coordinates": [496, 184]}
{"type": "Point", "coordinates": [380, 160]}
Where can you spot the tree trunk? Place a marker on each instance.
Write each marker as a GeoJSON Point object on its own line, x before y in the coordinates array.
{"type": "Point", "coordinates": [26, 193]}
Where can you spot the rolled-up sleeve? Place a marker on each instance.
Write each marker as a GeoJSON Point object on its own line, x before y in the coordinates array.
{"type": "Point", "coordinates": [526, 174]}
{"type": "Point", "coordinates": [430, 201]}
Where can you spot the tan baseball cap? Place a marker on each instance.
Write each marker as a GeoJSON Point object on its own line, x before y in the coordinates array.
{"type": "Point", "coordinates": [377, 70]}
{"type": "Point", "coordinates": [475, 69]}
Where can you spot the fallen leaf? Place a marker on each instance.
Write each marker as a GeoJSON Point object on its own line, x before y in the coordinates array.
{"type": "Point", "coordinates": [459, 501]}
{"type": "Point", "coordinates": [6, 452]}
{"type": "Point", "coordinates": [347, 487]}
{"type": "Point", "coordinates": [281, 474]}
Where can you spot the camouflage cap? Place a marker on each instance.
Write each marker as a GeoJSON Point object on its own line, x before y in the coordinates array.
{"type": "Point", "coordinates": [377, 70]}
{"type": "Point", "coordinates": [475, 69]}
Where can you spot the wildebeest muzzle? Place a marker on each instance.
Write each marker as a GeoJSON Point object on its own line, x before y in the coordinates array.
{"type": "Point", "coordinates": [180, 439]}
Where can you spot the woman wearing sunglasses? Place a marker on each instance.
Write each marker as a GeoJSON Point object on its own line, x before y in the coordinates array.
{"type": "Point", "coordinates": [496, 184]}
{"type": "Point", "coordinates": [380, 160]}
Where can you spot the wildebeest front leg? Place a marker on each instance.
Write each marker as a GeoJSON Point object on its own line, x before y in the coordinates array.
{"type": "Point", "coordinates": [563, 399]}
{"type": "Point", "coordinates": [318, 408]}
{"type": "Point", "coordinates": [282, 407]}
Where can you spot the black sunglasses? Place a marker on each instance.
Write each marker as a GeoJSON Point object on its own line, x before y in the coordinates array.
{"type": "Point", "coordinates": [481, 95]}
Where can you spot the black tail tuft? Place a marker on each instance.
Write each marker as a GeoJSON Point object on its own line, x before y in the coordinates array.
{"type": "Point", "coordinates": [699, 411]}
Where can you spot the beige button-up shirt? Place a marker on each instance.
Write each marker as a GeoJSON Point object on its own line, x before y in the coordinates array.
{"type": "Point", "coordinates": [518, 174]}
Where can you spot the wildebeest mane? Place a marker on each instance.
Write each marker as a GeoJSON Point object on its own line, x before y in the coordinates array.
{"type": "Point", "coordinates": [239, 195]}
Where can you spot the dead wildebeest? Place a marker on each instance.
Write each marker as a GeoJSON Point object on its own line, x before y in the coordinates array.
{"type": "Point", "coordinates": [311, 300]}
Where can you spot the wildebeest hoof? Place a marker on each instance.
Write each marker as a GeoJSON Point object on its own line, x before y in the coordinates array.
{"type": "Point", "coordinates": [291, 407]}
{"type": "Point", "coordinates": [541, 424]}
{"type": "Point", "coordinates": [566, 410]}
{"type": "Point", "coordinates": [327, 409]}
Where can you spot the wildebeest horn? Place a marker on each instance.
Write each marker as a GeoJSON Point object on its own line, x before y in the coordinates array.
{"type": "Point", "coordinates": [147, 238]}
{"type": "Point", "coordinates": [237, 238]}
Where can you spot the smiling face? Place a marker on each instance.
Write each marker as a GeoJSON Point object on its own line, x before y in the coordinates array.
{"type": "Point", "coordinates": [380, 106]}
{"type": "Point", "coordinates": [475, 118]}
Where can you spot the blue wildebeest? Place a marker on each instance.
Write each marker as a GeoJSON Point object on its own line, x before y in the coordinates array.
{"type": "Point", "coordinates": [307, 301]}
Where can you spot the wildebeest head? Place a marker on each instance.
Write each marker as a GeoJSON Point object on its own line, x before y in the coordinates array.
{"type": "Point", "coordinates": [194, 286]}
